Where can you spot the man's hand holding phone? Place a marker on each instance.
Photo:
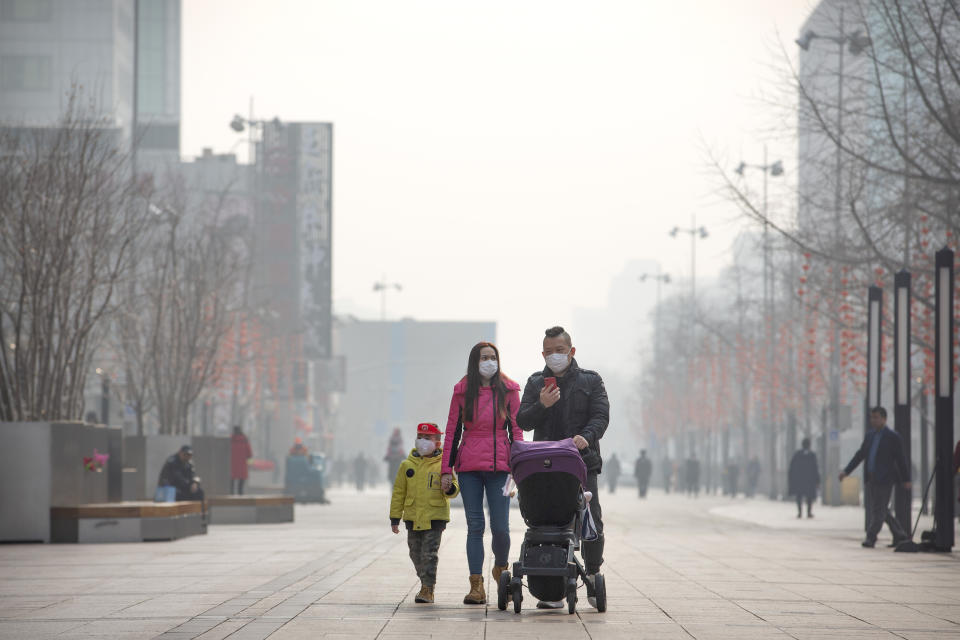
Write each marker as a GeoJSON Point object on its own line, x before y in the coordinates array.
{"type": "Point", "coordinates": [550, 394]}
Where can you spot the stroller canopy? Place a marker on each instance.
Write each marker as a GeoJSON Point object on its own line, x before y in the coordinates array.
{"type": "Point", "coordinates": [560, 456]}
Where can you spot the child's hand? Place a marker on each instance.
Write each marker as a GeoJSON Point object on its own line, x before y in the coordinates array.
{"type": "Point", "coordinates": [395, 528]}
{"type": "Point", "coordinates": [446, 482]}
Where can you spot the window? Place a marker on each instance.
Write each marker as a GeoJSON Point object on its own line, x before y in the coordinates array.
{"type": "Point", "coordinates": [25, 73]}
{"type": "Point", "coordinates": [26, 10]}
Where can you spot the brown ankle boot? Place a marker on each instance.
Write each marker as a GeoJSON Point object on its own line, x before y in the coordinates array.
{"type": "Point", "coordinates": [497, 571]}
{"type": "Point", "coordinates": [425, 595]}
{"type": "Point", "coordinates": [476, 595]}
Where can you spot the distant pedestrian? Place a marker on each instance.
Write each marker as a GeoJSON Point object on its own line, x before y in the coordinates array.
{"type": "Point", "coordinates": [422, 506]}
{"type": "Point", "coordinates": [613, 473]}
{"type": "Point", "coordinates": [733, 478]}
{"type": "Point", "coordinates": [667, 474]}
{"type": "Point", "coordinates": [753, 476]}
{"type": "Point", "coordinates": [360, 471]}
{"type": "Point", "coordinates": [240, 454]}
{"type": "Point", "coordinates": [642, 469]}
{"type": "Point", "coordinates": [803, 479]}
{"type": "Point", "coordinates": [886, 465]}
{"type": "Point", "coordinates": [298, 448]}
{"type": "Point", "coordinates": [693, 476]}
{"type": "Point", "coordinates": [395, 454]}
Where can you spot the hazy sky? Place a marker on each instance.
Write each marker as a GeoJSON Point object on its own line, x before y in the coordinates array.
{"type": "Point", "coordinates": [502, 160]}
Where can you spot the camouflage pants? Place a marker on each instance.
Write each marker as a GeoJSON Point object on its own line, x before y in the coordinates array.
{"type": "Point", "coordinates": [423, 551]}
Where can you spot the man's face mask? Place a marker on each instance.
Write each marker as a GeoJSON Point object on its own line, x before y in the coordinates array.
{"type": "Point", "coordinates": [558, 362]}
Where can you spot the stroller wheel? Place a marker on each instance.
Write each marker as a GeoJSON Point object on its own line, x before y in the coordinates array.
{"type": "Point", "coordinates": [571, 596]}
{"type": "Point", "coordinates": [516, 592]}
{"type": "Point", "coordinates": [600, 588]}
{"type": "Point", "coordinates": [503, 590]}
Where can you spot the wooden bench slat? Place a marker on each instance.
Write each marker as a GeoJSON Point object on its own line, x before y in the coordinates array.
{"type": "Point", "coordinates": [126, 510]}
{"type": "Point", "coordinates": [248, 501]}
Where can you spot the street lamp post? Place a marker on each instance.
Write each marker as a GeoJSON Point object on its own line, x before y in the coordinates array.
{"type": "Point", "coordinates": [774, 169]}
{"type": "Point", "coordinates": [382, 286]}
{"type": "Point", "coordinates": [872, 397]}
{"type": "Point", "coordinates": [943, 507]}
{"type": "Point", "coordinates": [661, 279]}
{"type": "Point", "coordinates": [901, 386]}
{"type": "Point", "coordinates": [855, 42]}
{"type": "Point", "coordinates": [695, 233]}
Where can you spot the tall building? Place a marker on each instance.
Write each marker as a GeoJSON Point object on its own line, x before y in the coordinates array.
{"type": "Point", "coordinates": [158, 81]}
{"type": "Point", "coordinates": [47, 47]}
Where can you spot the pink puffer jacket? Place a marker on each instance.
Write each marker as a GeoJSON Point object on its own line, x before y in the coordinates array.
{"type": "Point", "coordinates": [483, 443]}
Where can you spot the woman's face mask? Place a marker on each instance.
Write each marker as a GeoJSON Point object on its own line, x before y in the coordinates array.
{"type": "Point", "coordinates": [488, 368]}
{"type": "Point", "coordinates": [425, 447]}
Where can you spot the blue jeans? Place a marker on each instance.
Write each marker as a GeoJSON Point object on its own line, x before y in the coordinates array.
{"type": "Point", "coordinates": [472, 486]}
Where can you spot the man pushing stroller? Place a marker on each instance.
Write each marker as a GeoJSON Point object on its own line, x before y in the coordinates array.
{"type": "Point", "coordinates": [565, 401]}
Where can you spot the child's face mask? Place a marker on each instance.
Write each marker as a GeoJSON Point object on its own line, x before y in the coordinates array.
{"type": "Point", "coordinates": [425, 447]}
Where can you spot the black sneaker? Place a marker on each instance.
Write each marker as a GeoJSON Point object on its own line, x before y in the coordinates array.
{"type": "Point", "coordinates": [869, 544]}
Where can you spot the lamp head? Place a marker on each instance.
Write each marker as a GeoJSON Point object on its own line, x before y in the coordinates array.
{"type": "Point", "coordinates": [857, 42]}
{"type": "Point", "coordinates": [666, 278]}
{"type": "Point", "coordinates": [674, 231]}
{"type": "Point", "coordinates": [740, 169]}
{"type": "Point", "coordinates": [776, 169]}
{"type": "Point", "coordinates": [702, 231]}
{"type": "Point", "coordinates": [237, 124]}
{"type": "Point", "coordinates": [804, 41]}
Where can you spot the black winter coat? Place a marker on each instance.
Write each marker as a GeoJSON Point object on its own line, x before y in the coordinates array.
{"type": "Point", "coordinates": [804, 475]}
{"type": "Point", "coordinates": [177, 473]}
{"type": "Point", "coordinates": [583, 409]}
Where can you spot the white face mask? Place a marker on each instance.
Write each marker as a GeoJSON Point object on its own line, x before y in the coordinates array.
{"type": "Point", "coordinates": [425, 447]}
{"type": "Point", "coordinates": [558, 362]}
{"type": "Point", "coordinates": [488, 368]}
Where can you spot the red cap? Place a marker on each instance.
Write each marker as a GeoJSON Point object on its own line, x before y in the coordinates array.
{"type": "Point", "coordinates": [428, 428]}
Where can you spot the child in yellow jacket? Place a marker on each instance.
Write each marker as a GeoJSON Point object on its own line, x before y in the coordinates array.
{"type": "Point", "coordinates": [422, 505]}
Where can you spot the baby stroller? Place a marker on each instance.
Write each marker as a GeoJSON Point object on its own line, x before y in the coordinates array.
{"type": "Point", "coordinates": [550, 478]}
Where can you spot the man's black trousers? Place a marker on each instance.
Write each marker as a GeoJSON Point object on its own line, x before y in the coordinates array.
{"type": "Point", "coordinates": [593, 551]}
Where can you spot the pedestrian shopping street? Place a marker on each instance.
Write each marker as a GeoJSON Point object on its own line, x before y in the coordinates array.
{"type": "Point", "coordinates": [676, 567]}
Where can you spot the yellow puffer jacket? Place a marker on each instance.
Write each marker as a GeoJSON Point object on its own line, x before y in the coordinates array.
{"type": "Point", "coordinates": [416, 491]}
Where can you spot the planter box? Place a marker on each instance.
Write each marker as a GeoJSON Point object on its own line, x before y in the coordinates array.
{"type": "Point", "coordinates": [43, 467]}
{"type": "Point", "coordinates": [250, 509]}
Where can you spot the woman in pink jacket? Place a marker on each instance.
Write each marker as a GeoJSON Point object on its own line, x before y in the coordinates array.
{"type": "Point", "coordinates": [481, 425]}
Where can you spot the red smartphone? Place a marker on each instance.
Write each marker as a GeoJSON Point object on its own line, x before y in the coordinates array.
{"type": "Point", "coordinates": [549, 382]}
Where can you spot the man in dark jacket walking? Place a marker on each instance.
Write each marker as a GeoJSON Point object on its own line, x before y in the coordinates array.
{"type": "Point", "coordinates": [804, 478]}
{"type": "Point", "coordinates": [576, 406]}
{"type": "Point", "coordinates": [882, 451]}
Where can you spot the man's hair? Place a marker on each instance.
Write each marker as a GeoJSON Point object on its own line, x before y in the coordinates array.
{"type": "Point", "coordinates": [879, 410]}
{"type": "Point", "coordinates": [805, 443]}
{"type": "Point", "coordinates": [554, 332]}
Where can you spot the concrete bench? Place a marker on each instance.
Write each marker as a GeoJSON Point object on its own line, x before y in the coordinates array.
{"type": "Point", "coordinates": [250, 509]}
{"type": "Point", "coordinates": [126, 522]}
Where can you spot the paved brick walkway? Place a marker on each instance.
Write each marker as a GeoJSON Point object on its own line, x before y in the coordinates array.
{"type": "Point", "coordinates": [676, 568]}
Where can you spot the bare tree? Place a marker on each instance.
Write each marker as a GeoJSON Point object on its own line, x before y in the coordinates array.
{"type": "Point", "coordinates": [69, 214]}
{"type": "Point", "coordinates": [193, 271]}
